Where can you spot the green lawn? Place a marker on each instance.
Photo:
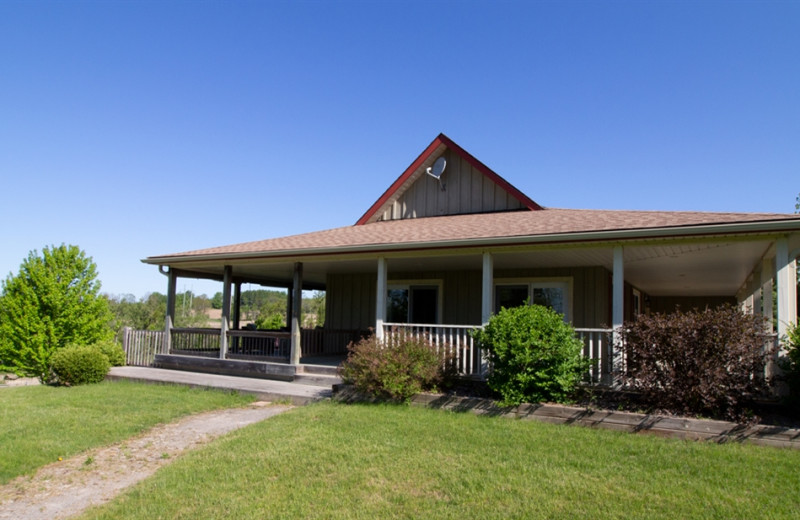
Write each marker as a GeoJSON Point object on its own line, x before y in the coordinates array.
{"type": "Point", "coordinates": [360, 461]}
{"type": "Point", "coordinates": [38, 424]}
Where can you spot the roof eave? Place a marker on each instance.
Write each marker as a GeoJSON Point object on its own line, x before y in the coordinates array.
{"type": "Point", "coordinates": [781, 226]}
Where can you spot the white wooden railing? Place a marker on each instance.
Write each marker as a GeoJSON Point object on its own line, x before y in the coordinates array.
{"type": "Point", "coordinates": [141, 346]}
{"type": "Point", "coordinates": [598, 345]}
{"type": "Point", "coordinates": [458, 340]}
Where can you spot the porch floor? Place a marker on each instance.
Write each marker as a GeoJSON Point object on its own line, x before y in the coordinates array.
{"type": "Point", "coordinates": [266, 389]}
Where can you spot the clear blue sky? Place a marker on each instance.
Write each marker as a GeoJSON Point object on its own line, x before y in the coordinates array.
{"type": "Point", "coordinates": [135, 128]}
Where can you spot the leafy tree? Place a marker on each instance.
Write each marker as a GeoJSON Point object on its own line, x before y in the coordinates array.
{"type": "Point", "coordinates": [51, 303]}
{"type": "Point", "coordinates": [146, 314]}
{"type": "Point", "coordinates": [314, 309]}
{"type": "Point", "coordinates": [216, 301]}
{"type": "Point", "coordinates": [272, 315]}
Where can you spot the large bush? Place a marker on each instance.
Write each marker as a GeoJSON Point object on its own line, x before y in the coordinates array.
{"type": "Point", "coordinates": [113, 352]}
{"type": "Point", "coordinates": [79, 365]}
{"type": "Point", "coordinates": [396, 369]}
{"type": "Point", "coordinates": [52, 302]}
{"type": "Point", "coordinates": [534, 355]}
{"type": "Point", "coordinates": [700, 362]}
{"type": "Point", "coordinates": [790, 363]}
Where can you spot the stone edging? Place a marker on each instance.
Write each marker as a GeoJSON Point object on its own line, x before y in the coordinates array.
{"type": "Point", "coordinates": [674, 427]}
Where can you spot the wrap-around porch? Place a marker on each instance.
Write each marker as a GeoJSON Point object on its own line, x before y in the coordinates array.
{"type": "Point", "coordinates": [602, 286]}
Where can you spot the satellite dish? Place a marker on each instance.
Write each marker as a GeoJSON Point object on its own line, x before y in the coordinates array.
{"type": "Point", "coordinates": [438, 168]}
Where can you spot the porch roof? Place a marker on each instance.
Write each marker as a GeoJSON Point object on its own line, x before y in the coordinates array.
{"type": "Point", "coordinates": [548, 226]}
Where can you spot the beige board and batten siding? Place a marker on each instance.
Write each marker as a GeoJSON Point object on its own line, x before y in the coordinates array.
{"type": "Point", "coordinates": [350, 298]}
{"type": "Point", "coordinates": [467, 190]}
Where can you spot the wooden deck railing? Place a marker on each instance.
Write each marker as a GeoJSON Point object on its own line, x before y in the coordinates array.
{"type": "Point", "coordinates": [141, 345]}
{"type": "Point", "coordinates": [458, 339]}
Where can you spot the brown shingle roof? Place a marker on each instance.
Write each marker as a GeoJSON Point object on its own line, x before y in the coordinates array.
{"type": "Point", "coordinates": [456, 228]}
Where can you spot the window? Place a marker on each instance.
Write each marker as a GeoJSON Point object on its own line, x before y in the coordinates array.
{"type": "Point", "coordinates": [549, 293]}
{"type": "Point", "coordinates": [637, 303]}
{"type": "Point", "coordinates": [412, 303]}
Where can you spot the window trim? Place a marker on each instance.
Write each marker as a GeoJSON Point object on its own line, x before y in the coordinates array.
{"type": "Point", "coordinates": [407, 284]}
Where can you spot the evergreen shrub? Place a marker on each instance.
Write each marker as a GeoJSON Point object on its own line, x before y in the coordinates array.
{"type": "Point", "coordinates": [707, 363]}
{"type": "Point", "coordinates": [398, 368]}
{"type": "Point", "coordinates": [534, 355]}
{"type": "Point", "coordinates": [78, 365]}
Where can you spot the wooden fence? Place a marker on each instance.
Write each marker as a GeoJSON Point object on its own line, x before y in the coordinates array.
{"type": "Point", "coordinates": [141, 346]}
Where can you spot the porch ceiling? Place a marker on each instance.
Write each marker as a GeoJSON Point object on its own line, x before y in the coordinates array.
{"type": "Point", "coordinates": [665, 268]}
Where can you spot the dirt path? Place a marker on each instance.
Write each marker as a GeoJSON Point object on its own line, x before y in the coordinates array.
{"type": "Point", "coordinates": [67, 487]}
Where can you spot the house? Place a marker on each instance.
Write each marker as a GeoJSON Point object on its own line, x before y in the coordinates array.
{"type": "Point", "coordinates": [451, 241]}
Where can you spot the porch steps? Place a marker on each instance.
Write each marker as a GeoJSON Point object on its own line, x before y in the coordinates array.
{"type": "Point", "coordinates": [317, 375]}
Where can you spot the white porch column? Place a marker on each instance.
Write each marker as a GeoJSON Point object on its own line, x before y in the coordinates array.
{"type": "Point", "coordinates": [380, 298]}
{"type": "Point", "coordinates": [172, 282]}
{"type": "Point", "coordinates": [767, 268]}
{"type": "Point", "coordinates": [758, 300]}
{"type": "Point", "coordinates": [487, 287]}
{"type": "Point", "coordinates": [297, 305]}
{"type": "Point", "coordinates": [618, 289]}
{"type": "Point", "coordinates": [226, 311]}
{"type": "Point", "coordinates": [617, 310]}
{"type": "Point", "coordinates": [787, 286]}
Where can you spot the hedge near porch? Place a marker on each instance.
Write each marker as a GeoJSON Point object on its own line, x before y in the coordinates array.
{"type": "Point", "coordinates": [534, 354]}
{"type": "Point", "coordinates": [708, 363]}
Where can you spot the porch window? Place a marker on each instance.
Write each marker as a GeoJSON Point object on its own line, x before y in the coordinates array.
{"type": "Point", "coordinates": [553, 294]}
{"type": "Point", "coordinates": [637, 303]}
{"type": "Point", "coordinates": [412, 304]}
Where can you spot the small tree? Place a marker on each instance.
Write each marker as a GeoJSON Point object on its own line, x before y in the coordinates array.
{"type": "Point", "coordinates": [51, 303]}
{"type": "Point", "coordinates": [535, 356]}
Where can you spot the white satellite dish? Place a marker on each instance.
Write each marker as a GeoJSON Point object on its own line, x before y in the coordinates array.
{"type": "Point", "coordinates": [437, 170]}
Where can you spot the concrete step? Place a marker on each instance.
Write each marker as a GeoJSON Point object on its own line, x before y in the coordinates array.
{"type": "Point", "coordinates": [321, 380]}
{"type": "Point", "coordinates": [326, 370]}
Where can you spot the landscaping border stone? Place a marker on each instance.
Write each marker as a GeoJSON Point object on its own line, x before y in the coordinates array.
{"type": "Point", "coordinates": [664, 426]}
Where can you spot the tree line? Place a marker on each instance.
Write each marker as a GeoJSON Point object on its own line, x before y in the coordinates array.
{"type": "Point", "coordinates": [265, 309]}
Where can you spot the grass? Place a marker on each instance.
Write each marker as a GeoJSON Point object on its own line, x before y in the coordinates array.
{"type": "Point", "coordinates": [341, 462]}
{"type": "Point", "coordinates": [39, 424]}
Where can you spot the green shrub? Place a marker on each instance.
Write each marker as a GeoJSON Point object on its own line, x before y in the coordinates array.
{"type": "Point", "coordinates": [790, 363]}
{"type": "Point", "coordinates": [113, 352]}
{"type": "Point", "coordinates": [397, 369]}
{"type": "Point", "coordinates": [270, 322]}
{"type": "Point", "coordinates": [78, 365]}
{"type": "Point", "coordinates": [534, 355]}
{"type": "Point", "coordinates": [707, 363]}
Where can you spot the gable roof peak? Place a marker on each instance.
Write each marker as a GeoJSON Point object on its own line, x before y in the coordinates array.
{"type": "Point", "coordinates": [436, 149]}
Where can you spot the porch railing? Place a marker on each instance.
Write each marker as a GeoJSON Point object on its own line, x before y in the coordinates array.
{"type": "Point", "coordinates": [458, 340]}
{"type": "Point", "coordinates": [141, 346]}
{"type": "Point", "coordinates": [455, 340]}
{"type": "Point", "coordinates": [598, 346]}
{"type": "Point", "coordinates": [195, 342]}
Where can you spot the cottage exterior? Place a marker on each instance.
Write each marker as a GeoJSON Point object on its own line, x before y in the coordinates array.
{"type": "Point", "coordinates": [439, 255]}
